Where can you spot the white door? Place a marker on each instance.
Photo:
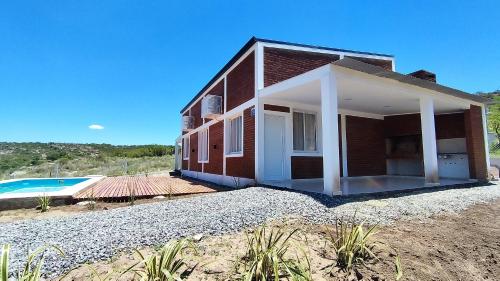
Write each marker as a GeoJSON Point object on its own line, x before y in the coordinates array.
{"type": "Point", "coordinates": [274, 147]}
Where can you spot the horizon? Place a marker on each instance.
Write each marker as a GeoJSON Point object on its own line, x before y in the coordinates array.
{"type": "Point", "coordinates": [111, 73]}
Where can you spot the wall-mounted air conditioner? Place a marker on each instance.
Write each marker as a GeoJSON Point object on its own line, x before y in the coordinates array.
{"type": "Point", "coordinates": [187, 123]}
{"type": "Point", "coordinates": [211, 106]}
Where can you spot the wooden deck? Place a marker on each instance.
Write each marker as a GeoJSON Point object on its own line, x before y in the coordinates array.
{"type": "Point", "coordinates": [119, 187]}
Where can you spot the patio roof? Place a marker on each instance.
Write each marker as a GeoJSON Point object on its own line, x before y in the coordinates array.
{"type": "Point", "coordinates": [407, 79]}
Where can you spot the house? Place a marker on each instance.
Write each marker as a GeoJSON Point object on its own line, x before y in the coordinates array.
{"type": "Point", "coordinates": [332, 121]}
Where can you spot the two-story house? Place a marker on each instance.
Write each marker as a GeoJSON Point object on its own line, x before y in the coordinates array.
{"type": "Point", "coordinates": [330, 120]}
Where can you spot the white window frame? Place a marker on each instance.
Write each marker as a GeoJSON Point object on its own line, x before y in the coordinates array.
{"type": "Point", "coordinates": [228, 136]}
{"type": "Point", "coordinates": [186, 144]}
{"type": "Point", "coordinates": [203, 134]}
{"type": "Point", "coordinates": [304, 132]}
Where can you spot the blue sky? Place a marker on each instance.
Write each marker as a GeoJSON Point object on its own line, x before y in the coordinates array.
{"type": "Point", "coordinates": [130, 66]}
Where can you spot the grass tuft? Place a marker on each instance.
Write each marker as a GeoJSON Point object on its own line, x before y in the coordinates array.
{"type": "Point", "coordinates": [44, 203]}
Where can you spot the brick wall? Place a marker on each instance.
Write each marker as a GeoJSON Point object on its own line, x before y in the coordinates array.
{"type": "Point", "coordinates": [307, 167]}
{"type": "Point", "coordinates": [280, 64]}
{"type": "Point", "coordinates": [447, 125]}
{"type": "Point", "coordinates": [386, 64]}
{"type": "Point", "coordinates": [277, 108]}
{"type": "Point", "coordinates": [241, 82]}
{"type": "Point", "coordinates": [365, 146]}
{"type": "Point", "coordinates": [215, 149]}
{"type": "Point", "coordinates": [196, 113]}
{"type": "Point", "coordinates": [475, 143]}
{"type": "Point", "coordinates": [185, 163]}
{"type": "Point", "coordinates": [244, 166]}
{"type": "Point", "coordinates": [450, 126]}
{"type": "Point", "coordinates": [193, 154]}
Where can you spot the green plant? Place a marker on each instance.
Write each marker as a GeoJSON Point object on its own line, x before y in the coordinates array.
{"type": "Point", "coordinates": [131, 194]}
{"type": "Point", "coordinates": [92, 200]}
{"type": "Point", "coordinates": [100, 277]}
{"type": "Point", "coordinates": [31, 270]}
{"type": "Point", "coordinates": [266, 257]}
{"type": "Point", "coordinates": [44, 203]}
{"type": "Point", "coordinates": [399, 268]}
{"type": "Point", "coordinates": [237, 183]}
{"type": "Point", "coordinates": [350, 242]}
{"type": "Point", "coordinates": [166, 265]}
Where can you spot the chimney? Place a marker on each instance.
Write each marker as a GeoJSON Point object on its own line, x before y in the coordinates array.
{"type": "Point", "coordinates": [424, 74]}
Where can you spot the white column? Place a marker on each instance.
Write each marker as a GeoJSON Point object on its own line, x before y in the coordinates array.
{"type": "Point", "coordinates": [485, 132]}
{"type": "Point", "coordinates": [259, 141]}
{"type": "Point", "coordinates": [429, 140]}
{"type": "Point", "coordinates": [329, 115]}
{"type": "Point", "coordinates": [343, 128]}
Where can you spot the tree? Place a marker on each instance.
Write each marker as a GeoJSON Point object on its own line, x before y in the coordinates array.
{"type": "Point", "coordinates": [494, 118]}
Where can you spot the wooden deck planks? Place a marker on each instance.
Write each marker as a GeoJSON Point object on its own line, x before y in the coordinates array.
{"type": "Point", "coordinates": [117, 187]}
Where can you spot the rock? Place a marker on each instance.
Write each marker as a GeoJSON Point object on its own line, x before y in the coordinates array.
{"type": "Point", "coordinates": [159, 197]}
{"type": "Point", "coordinates": [85, 203]}
{"type": "Point", "coordinates": [197, 237]}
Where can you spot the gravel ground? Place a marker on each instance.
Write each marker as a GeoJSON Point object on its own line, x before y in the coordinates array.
{"type": "Point", "coordinates": [98, 235]}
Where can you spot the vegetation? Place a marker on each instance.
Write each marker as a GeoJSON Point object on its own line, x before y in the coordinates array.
{"type": "Point", "coordinates": [350, 241]}
{"type": "Point", "coordinates": [266, 257]}
{"type": "Point", "coordinates": [44, 203]}
{"type": "Point", "coordinates": [131, 194]}
{"type": "Point", "coordinates": [32, 268]}
{"type": "Point", "coordinates": [62, 159]}
{"type": "Point", "coordinates": [167, 265]}
{"type": "Point", "coordinates": [494, 119]}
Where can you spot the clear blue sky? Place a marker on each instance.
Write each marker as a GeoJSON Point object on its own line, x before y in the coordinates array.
{"type": "Point", "coordinates": [130, 66]}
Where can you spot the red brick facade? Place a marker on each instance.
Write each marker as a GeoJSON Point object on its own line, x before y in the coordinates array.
{"type": "Point", "coordinates": [386, 64]}
{"type": "Point", "coordinates": [241, 82]}
{"type": "Point", "coordinates": [276, 108]}
{"type": "Point", "coordinates": [475, 143]}
{"type": "Point", "coordinates": [193, 154]}
{"type": "Point", "coordinates": [215, 149]}
{"type": "Point", "coordinates": [307, 167]}
{"type": "Point", "coordinates": [447, 125]}
{"type": "Point", "coordinates": [244, 166]}
{"type": "Point", "coordinates": [365, 146]}
{"type": "Point", "coordinates": [280, 64]}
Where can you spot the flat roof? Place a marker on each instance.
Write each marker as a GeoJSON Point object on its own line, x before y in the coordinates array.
{"type": "Point", "coordinates": [254, 40]}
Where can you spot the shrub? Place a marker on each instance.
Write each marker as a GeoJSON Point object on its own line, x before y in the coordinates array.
{"type": "Point", "coordinates": [266, 259]}
{"type": "Point", "coordinates": [167, 265]}
{"type": "Point", "coordinates": [350, 242]}
{"type": "Point", "coordinates": [131, 194]}
{"type": "Point", "coordinates": [31, 270]}
{"type": "Point", "coordinates": [44, 203]}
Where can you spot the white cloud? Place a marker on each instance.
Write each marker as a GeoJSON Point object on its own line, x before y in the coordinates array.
{"type": "Point", "coordinates": [96, 127]}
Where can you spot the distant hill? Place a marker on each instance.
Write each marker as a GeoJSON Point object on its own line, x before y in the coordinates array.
{"type": "Point", "coordinates": [70, 159]}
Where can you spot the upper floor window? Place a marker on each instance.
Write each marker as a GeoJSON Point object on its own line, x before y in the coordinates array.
{"type": "Point", "coordinates": [203, 145]}
{"type": "Point", "coordinates": [185, 148]}
{"type": "Point", "coordinates": [304, 131]}
{"type": "Point", "coordinates": [235, 135]}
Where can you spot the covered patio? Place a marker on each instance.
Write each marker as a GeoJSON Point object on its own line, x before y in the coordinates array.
{"type": "Point", "coordinates": [364, 129]}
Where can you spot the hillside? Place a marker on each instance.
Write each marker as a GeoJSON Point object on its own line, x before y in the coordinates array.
{"type": "Point", "coordinates": [68, 159]}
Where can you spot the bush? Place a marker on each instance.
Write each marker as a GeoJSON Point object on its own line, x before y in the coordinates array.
{"type": "Point", "coordinates": [266, 258]}
{"type": "Point", "coordinates": [350, 241]}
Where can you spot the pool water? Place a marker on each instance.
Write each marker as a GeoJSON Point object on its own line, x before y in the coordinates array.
{"type": "Point", "coordinates": [39, 185]}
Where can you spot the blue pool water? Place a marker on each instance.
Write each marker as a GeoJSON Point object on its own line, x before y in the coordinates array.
{"type": "Point", "coordinates": [39, 185]}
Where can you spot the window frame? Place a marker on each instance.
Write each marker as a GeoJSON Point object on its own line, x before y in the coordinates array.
{"type": "Point", "coordinates": [200, 150]}
{"type": "Point", "coordinates": [316, 134]}
{"type": "Point", "coordinates": [228, 152]}
{"type": "Point", "coordinates": [186, 142]}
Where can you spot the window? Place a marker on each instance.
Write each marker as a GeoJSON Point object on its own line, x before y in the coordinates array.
{"type": "Point", "coordinates": [203, 145]}
{"type": "Point", "coordinates": [304, 131]}
{"type": "Point", "coordinates": [185, 148]}
{"type": "Point", "coordinates": [235, 138]}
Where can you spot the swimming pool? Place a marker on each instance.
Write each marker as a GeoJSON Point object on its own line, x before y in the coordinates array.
{"type": "Point", "coordinates": [39, 185]}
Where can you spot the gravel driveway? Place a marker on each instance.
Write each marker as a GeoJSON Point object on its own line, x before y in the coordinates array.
{"type": "Point", "coordinates": [98, 235]}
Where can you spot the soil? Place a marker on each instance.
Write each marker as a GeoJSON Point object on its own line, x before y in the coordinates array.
{"type": "Point", "coordinates": [463, 246]}
{"type": "Point", "coordinates": [65, 210]}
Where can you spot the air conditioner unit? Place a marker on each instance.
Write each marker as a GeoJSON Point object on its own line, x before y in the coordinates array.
{"type": "Point", "coordinates": [211, 106]}
{"type": "Point", "coordinates": [187, 123]}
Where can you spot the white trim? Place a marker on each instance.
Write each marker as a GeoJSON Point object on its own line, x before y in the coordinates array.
{"type": "Point", "coordinates": [224, 147]}
{"type": "Point", "coordinates": [323, 51]}
{"type": "Point", "coordinates": [361, 114]}
{"type": "Point", "coordinates": [225, 94]}
{"type": "Point", "coordinates": [343, 132]}
{"type": "Point", "coordinates": [486, 144]}
{"type": "Point", "coordinates": [223, 76]}
{"type": "Point", "coordinates": [259, 67]}
{"type": "Point", "coordinates": [184, 147]}
{"type": "Point", "coordinates": [227, 135]}
{"type": "Point", "coordinates": [199, 145]}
